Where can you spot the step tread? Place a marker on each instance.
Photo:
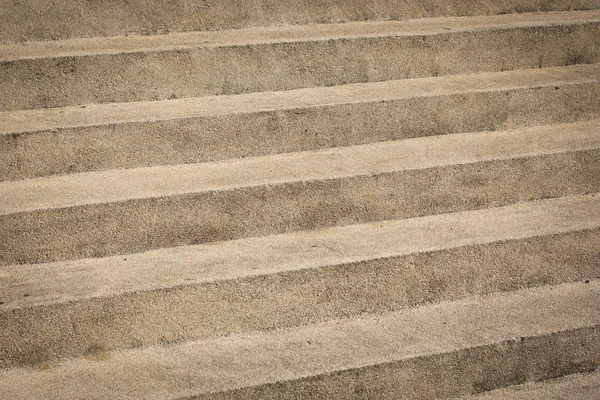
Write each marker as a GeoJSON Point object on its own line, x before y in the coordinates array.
{"type": "Point", "coordinates": [260, 358]}
{"type": "Point", "coordinates": [237, 259]}
{"type": "Point", "coordinates": [584, 386]}
{"type": "Point", "coordinates": [374, 158]}
{"type": "Point", "coordinates": [38, 20]}
{"type": "Point", "coordinates": [66, 18]}
{"type": "Point", "coordinates": [286, 34]}
{"type": "Point", "coordinates": [117, 113]}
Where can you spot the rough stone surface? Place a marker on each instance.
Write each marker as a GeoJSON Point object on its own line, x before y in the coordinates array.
{"type": "Point", "coordinates": [441, 350]}
{"type": "Point", "coordinates": [584, 386]}
{"type": "Point", "coordinates": [299, 200]}
{"type": "Point", "coordinates": [124, 135]}
{"type": "Point", "coordinates": [40, 20]}
{"type": "Point", "coordinates": [305, 277]}
{"type": "Point", "coordinates": [76, 72]}
{"type": "Point", "coordinates": [55, 218]}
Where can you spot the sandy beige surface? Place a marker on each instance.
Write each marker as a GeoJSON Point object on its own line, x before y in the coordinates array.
{"type": "Point", "coordinates": [369, 351]}
{"type": "Point", "coordinates": [369, 159]}
{"type": "Point", "coordinates": [97, 305]}
{"type": "Point", "coordinates": [55, 218]}
{"type": "Point", "coordinates": [299, 200]}
{"type": "Point", "coordinates": [124, 135]}
{"type": "Point", "coordinates": [286, 34]}
{"type": "Point", "coordinates": [155, 71]}
{"type": "Point", "coordinates": [585, 386]}
{"type": "Point", "coordinates": [40, 20]}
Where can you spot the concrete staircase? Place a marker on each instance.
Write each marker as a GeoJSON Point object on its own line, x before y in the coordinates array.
{"type": "Point", "coordinates": [300, 200]}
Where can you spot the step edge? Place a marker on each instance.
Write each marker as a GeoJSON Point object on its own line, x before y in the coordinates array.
{"type": "Point", "coordinates": [299, 95]}
{"type": "Point", "coordinates": [532, 208]}
{"type": "Point", "coordinates": [508, 302]}
{"type": "Point", "coordinates": [495, 22]}
{"type": "Point", "coordinates": [43, 183]}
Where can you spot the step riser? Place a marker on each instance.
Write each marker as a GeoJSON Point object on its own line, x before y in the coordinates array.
{"type": "Point", "coordinates": [47, 332]}
{"type": "Point", "coordinates": [425, 286]}
{"type": "Point", "coordinates": [32, 20]}
{"type": "Point", "coordinates": [454, 348]}
{"type": "Point", "coordinates": [201, 139]}
{"type": "Point", "coordinates": [580, 386]}
{"type": "Point", "coordinates": [138, 225]}
{"type": "Point", "coordinates": [459, 373]}
{"type": "Point", "coordinates": [158, 75]}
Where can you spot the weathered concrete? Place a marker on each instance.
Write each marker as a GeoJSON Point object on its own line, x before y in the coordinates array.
{"type": "Point", "coordinates": [583, 386]}
{"type": "Point", "coordinates": [86, 71]}
{"type": "Point", "coordinates": [96, 305]}
{"type": "Point", "coordinates": [124, 135]}
{"type": "Point", "coordinates": [448, 349]}
{"type": "Point", "coordinates": [55, 218]}
{"type": "Point", "coordinates": [40, 20]}
{"type": "Point", "coordinates": [383, 214]}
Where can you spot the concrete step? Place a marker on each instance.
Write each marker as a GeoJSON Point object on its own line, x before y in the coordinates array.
{"type": "Point", "coordinates": [40, 20]}
{"type": "Point", "coordinates": [435, 351]}
{"type": "Point", "coordinates": [95, 305]}
{"type": "Point", "coordinates": [583, 386]}
{"type": "Point", "coordinates": [112, 136]}
{"type": "Point", "coordinates": [137, 68]}
{"type": "Point", "coordinates": [125, 211]}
